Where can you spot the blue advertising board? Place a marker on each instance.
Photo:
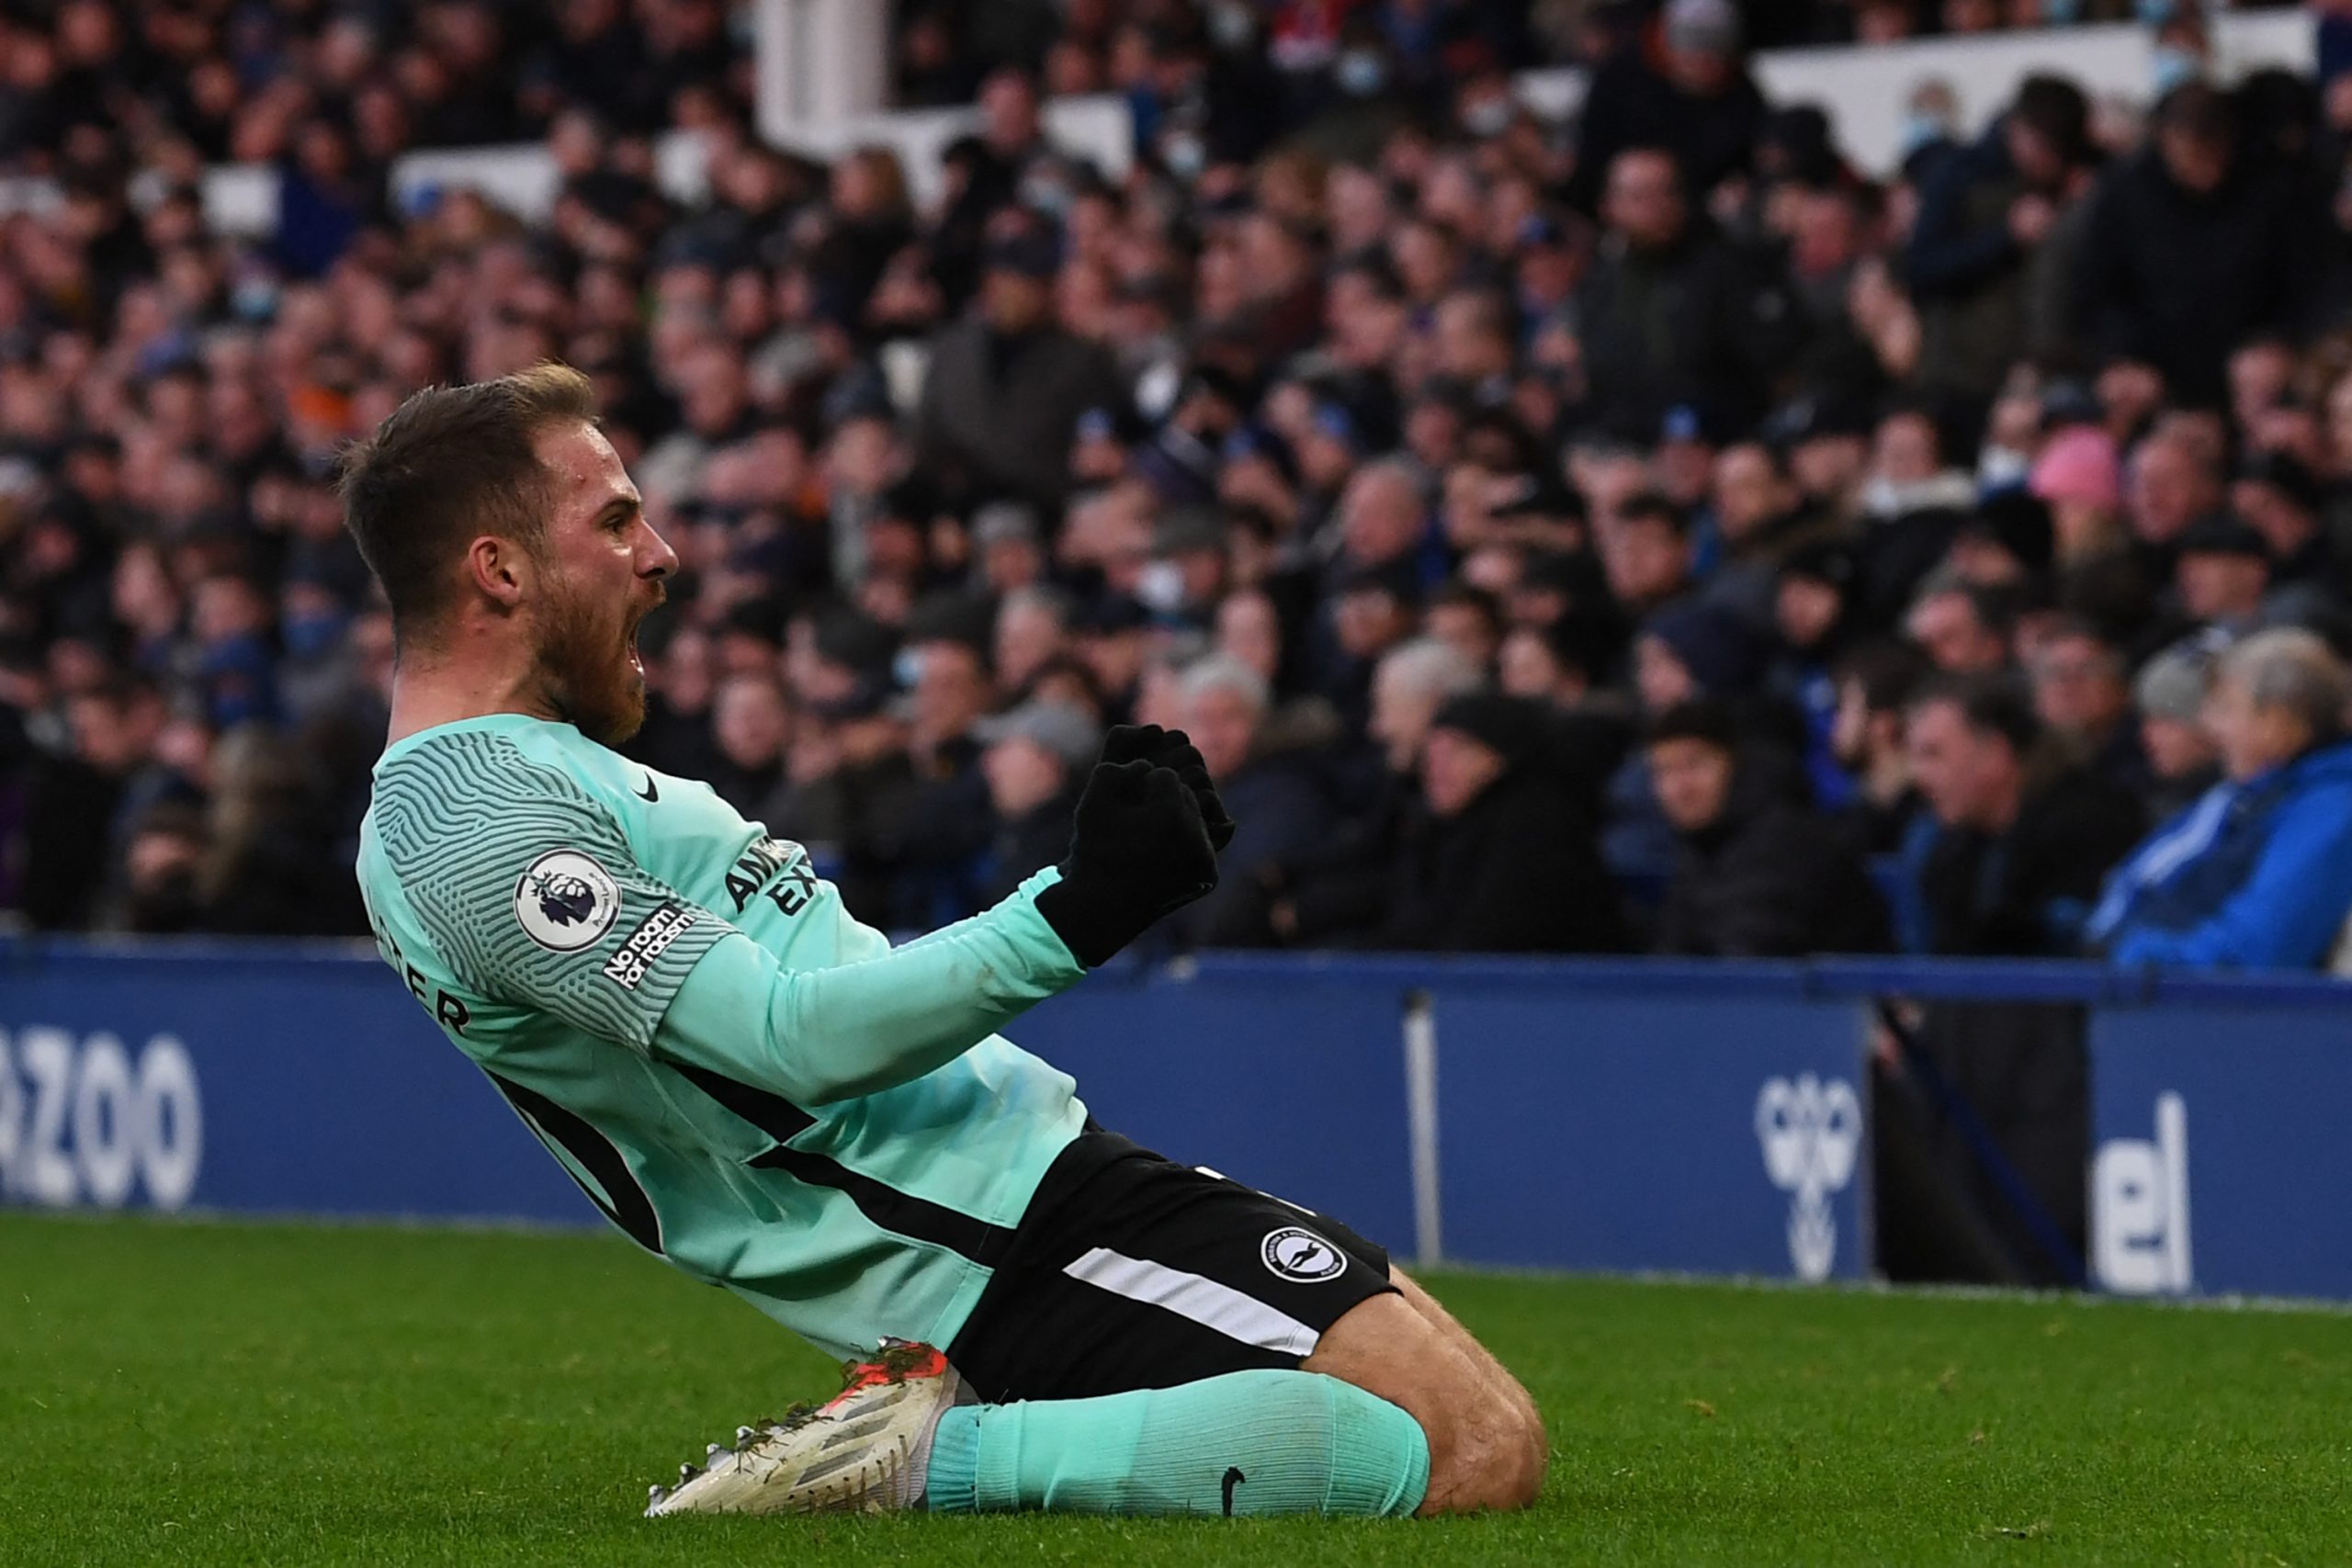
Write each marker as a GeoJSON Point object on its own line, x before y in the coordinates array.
{"type": "Point", "coordinates": [256, 1081]}
{"type": "Point", "coordinates": [1671, 1126]}
{"type": "Point", "coordinates": [2219, 1160]}
{"type": "Point", "coordinates": [1288, 1079]}
{"type": "Point", "coordinates": [1553, 1114]}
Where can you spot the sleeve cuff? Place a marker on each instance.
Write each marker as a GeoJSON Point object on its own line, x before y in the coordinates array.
{"type": "Point", "coordinates": [1035, 933]}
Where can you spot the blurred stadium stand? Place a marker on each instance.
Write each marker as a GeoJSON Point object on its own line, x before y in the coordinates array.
{"type": "Point", "coordinates": [1727, 481]}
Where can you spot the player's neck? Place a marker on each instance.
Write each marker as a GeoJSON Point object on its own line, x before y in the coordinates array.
{"type": "Point", "coordinates": [438, 686]}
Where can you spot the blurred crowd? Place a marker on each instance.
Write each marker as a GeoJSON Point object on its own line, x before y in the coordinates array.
{"type": "Point", "coordinates": [1297, 47]}
{"type": "Point", "coordinates": [1644, 533]}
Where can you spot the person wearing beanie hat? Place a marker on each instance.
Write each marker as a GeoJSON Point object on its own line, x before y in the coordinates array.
{"type": "Point", "coordinates": [2009, 537]}
{"type": "Point", "coordinates": [1498, 857]}
{"type": "Point", "coordinates": [2222, 573]}
{"type": "Point", "coordinates": [1759, 876]}
{"type": "Point", "coordinates": [2279, 498]}
{"type": "Point", "coordinates": [1701, 649]}
{"type": "Point", "coordinates": [1508, 727]}
{"type": "Point", "coordinates": [1828, 562]}
{"type": "Point", "coordinates": [2079, 476]}
{"type": "Point", "coordinates": [1686, 650]}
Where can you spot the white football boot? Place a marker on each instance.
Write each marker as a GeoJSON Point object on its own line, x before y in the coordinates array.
{"type": "Point", "coordinates": [868, 1451]}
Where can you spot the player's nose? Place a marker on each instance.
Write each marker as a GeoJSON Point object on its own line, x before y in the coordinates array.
{"type": "Point", "coordinates": [655, 558]}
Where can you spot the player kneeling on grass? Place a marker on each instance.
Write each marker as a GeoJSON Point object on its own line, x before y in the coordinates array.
{"type": "Point", "coordinates": [764, 1093]}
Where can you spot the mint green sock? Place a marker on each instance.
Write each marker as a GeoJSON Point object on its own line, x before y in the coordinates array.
{"type": "Point", "coordinates": [1260, 1442]}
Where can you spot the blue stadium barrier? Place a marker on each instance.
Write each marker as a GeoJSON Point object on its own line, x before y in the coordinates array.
{"type": "Point", "coordinates": [1650, 1125]}
{"type": "Point", "coordinates": [1291, 1081]}
{"type": "Point", "coordinates": [1578, 1114]}
{"type": "Point", "coordinates": [250, 1080]}
{"type": "Point", "coordinates": [2216, 1115]}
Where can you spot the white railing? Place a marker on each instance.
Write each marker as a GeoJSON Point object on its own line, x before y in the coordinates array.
{"type": "Point", "coordinates": [1866, 90]}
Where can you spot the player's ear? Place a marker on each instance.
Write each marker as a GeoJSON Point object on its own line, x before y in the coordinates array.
{"type": "Point", "coordinates": [498, 569]}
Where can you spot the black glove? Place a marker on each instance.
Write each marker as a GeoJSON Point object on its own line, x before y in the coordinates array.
{"type": "Point", "coordinates": [1140, 851]}
{"type": "Point", "coordinates": [1173, 749]}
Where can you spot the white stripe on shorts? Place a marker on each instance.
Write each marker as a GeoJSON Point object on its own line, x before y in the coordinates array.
{"type": "Point", "coordinates": [1207, 1303]}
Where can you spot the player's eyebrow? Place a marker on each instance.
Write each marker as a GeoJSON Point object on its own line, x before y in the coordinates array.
{"type": "Point", "coordinates": [618, 507]}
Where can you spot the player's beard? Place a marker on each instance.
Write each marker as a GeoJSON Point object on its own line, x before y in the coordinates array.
{"type": "Point", "coordinates": [586, 660]}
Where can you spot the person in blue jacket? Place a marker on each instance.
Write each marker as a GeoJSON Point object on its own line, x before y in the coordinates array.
{"type": "Point", "coordinates": [2257, 875]}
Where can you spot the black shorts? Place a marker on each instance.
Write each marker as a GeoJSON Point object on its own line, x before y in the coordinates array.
{"type": "Point", "coordinates": [1131, 1272]}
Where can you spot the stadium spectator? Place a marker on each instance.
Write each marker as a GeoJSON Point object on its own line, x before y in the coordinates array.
{"type": "Point", "coordinates": [1032, 636]}
{"type": "Point", "coordinates": [1497, 858]}
{"type": "Point", "coordinates": [1759, 876]}
{"type": "Point", "coordinates": [1479, 380]}
{"type": "Point", "coordinates": [1758, 524]}
{"type": "Point", "coordinates": [76, 797]}
{"type": "Point", "coordinates": [1980, 250]}
{"type": "Point", "coordinates": [1545, 665]}
{"type": "Point", "coordinates": [2015, 842]}
{"type": "Point", "coordinates": [944, 823]}
{"type": "Point", "coordinates": [1684, 88]}
{"type": "Point", "coordinates": [2081, 696]}
{"type": "Point", "coordinates": [1915, 503]}
{"type": "Point", "coordinates": [1036, 758]}
{"type": "Point", "coordinates": [1342, 888]}
{"type": "Point", "coordinates": [751, 722]}
{"type": "Point", "coordinates": [1226, 709]}
{"type": "Point", "coordinates": [2257, 875]}
{"type": "Point", "coordinates": [1964, 630]}
{"type": "Point", "coordinates": [161, 866]}
{"type": "Point", "coordinates": [1813, 615]}
{"type": "Point", "coordinates": [1673, 314]}
{"type": "Point", "coordinates": [680, 682]}
{"type": "Point", "coordinates": [2222, 575]}
{"type": "Point", "coordinates": [1683, 651]}
{"type": "Point", "coordinates": [2194, 243]}
{"type": "Point", "coordinates": [1006, 388]}
{"type": "Point", "coordinates": [259, 874]}
{"type": "Point", "coordinates": [1383, 522]}
{"type": "Point", "coordinates": [1647, 554]}
{"type": "Point", "coordinates": [2281, 501]}
{"type": "Point", "coordinates": [2078, 476]}
{"type": "Point", "coordinates": [2171, 485]}
{"type": "Point", "coordinates": [2183, 761]}
{"type": "Point", "coordinates": [1875, 683]}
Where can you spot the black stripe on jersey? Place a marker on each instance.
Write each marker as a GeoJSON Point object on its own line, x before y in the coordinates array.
{"type": "Point", "coordinates": [901, 1212]}
{"type": "Point", "coordinates": [771, 1113]}
{"type": "Point", "coordinates": [628, 1207]}
{"type": "Point", "coordinates": [918, 1219]}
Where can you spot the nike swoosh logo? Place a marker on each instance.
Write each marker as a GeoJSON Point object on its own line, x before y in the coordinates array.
{"type": "Point", "coordinates": [651, 790]}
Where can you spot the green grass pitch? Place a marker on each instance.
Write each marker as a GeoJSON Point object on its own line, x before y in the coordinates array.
{"type": "Point", "coordinates": [214, 1393]}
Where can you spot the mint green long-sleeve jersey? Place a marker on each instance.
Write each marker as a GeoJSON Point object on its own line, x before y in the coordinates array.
{"type": "Point", "coordinates": [745, 1079]}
